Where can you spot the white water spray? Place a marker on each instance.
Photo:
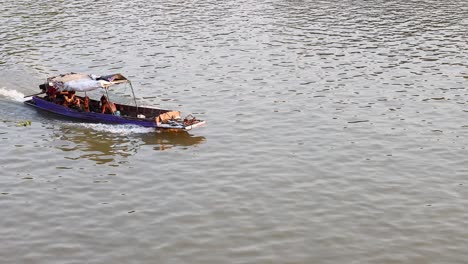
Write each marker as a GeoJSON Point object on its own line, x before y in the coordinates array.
{"type": "Point", "coordinates": [12, 94]}
{"type": "Point", "coordinates": [117, 129]}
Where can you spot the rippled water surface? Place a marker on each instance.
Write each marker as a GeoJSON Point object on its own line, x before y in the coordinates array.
{"type": "Point", "coordinates": [337, 133]}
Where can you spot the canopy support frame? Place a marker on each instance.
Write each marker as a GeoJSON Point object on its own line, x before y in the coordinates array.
{"type": "Point", "coordinates": [134, 97]}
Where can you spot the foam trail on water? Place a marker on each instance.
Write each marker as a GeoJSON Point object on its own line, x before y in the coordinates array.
{"type": "Point", "coordinates": [117, 129]}
{"type": "Point", "coordinates": [12, 94]}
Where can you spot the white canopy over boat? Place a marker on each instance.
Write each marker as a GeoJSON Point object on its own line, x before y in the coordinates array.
{"type": "Point", "coordinates": [80, 82]}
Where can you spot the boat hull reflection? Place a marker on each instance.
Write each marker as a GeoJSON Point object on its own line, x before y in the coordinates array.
{"type": "Point", "coordinates": [113, 143]}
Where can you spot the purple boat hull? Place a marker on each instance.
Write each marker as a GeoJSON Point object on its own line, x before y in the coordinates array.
{"type": "Point", "coordinates": [94, 117]}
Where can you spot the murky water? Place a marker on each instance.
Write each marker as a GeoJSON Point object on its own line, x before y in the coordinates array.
{"type": "Point", "coordinates": [336, 133]}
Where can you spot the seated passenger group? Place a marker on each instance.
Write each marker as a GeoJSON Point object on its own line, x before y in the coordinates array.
{"type": "Point", "coordinates": [69, 99]}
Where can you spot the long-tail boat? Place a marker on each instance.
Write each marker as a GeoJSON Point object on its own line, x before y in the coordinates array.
{"type": "Point", "coordinates": [54, 92]}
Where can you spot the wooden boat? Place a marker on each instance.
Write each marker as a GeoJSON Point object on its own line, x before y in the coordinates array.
{"type": "Point", "coordinates": [56, 86]}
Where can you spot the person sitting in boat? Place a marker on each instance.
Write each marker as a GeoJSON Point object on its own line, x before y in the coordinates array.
{"type": "Point", "coordinates": [70, 100]}
{"type": "Point", "coordinates": [52, 98]}
{"type": "Point", "coordinates": [51, 93]}
{"type": "Point", "coordinates": [108, 107]}
{"type": "Point", "coordinates": [86, 104]}
{"type": "Point", "coordinates": [60, 98]}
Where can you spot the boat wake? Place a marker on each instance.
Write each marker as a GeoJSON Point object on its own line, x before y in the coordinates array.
{"type": "Point", "coordinates": [12, 94]}
{"type": "Point", "coordinates": [116, 129]}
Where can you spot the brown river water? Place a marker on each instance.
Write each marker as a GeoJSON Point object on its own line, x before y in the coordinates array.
{"type": "Point", "coordinates": [337, 133]}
